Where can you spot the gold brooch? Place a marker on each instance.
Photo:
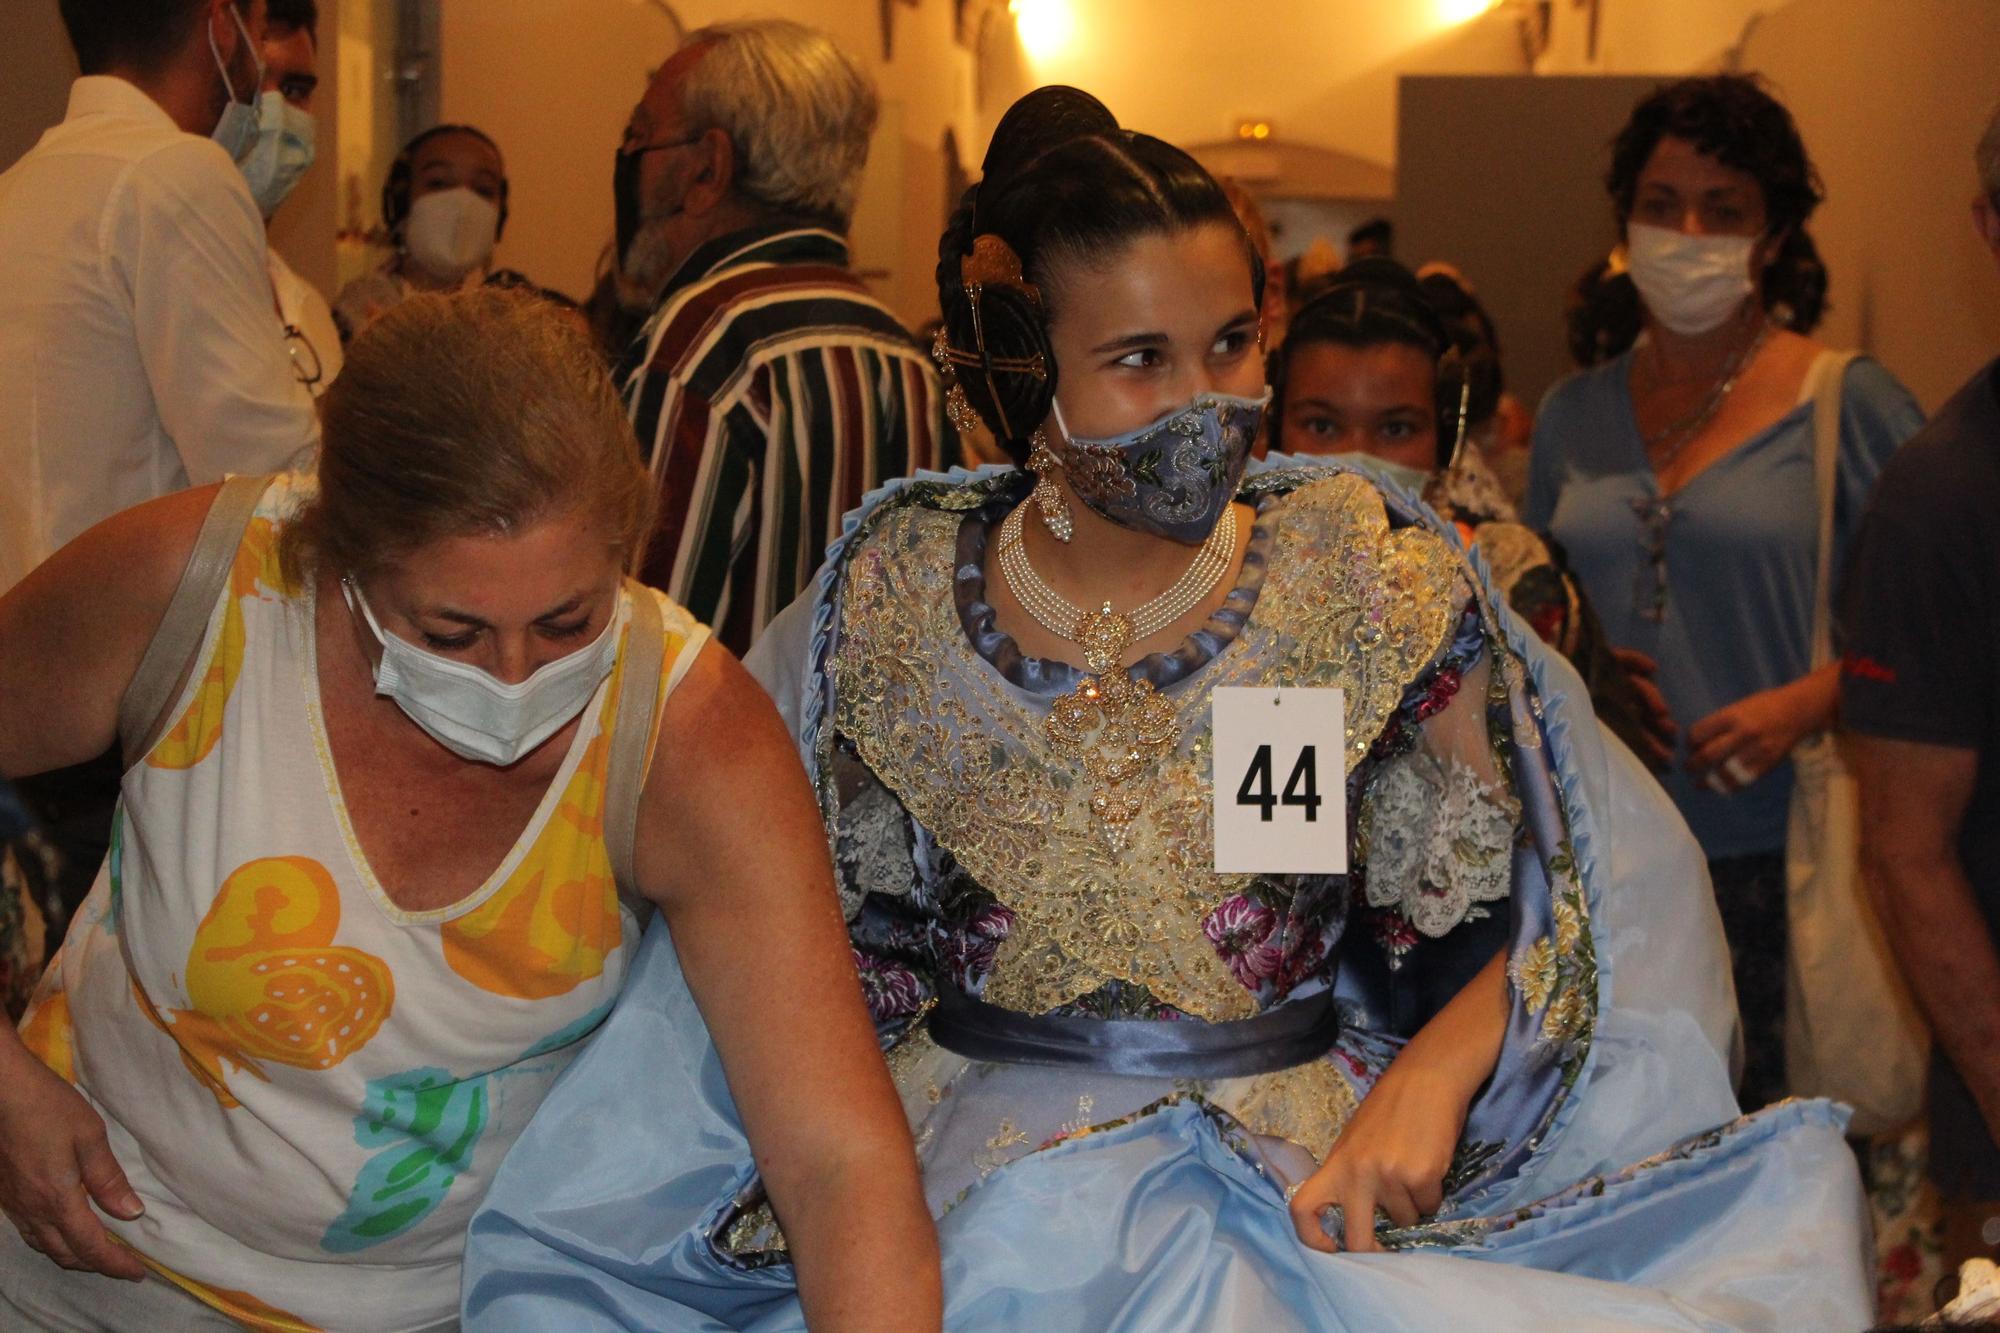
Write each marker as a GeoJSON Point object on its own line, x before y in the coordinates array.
{"type": "Point", "coordinates": [1116, 726]}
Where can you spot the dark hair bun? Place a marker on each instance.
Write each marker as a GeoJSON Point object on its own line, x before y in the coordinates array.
{"type": "Point", "coordinates": [1011, 325]}
{"type": "Point", "coordinates": [1475, 346]}
{"type": "Point", "coordinates": [1043, 119]}
{"type": "Point", "coordinates": [1062, 182]}
{"type": "Point", "coordinates": [1377, 280]}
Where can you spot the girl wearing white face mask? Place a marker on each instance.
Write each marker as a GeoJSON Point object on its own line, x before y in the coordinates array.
{"type": "Point", "coordinates": [423, 767]}
{"type": "Point", "coordinates": [444, 207]}
{"type": "Point", "coordinates": [1680, 478]}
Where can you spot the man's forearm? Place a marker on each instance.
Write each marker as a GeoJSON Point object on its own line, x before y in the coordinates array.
{"type": "Point", "coordinates": [1945, 947]}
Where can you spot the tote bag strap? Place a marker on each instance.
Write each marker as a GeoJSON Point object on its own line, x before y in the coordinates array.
{"type": "Point", "coordinates": [143, 714]}
{"type": "Point", "coordinates": [1830, 374]}
{"type": "Point", "coordinates": [632, 735]}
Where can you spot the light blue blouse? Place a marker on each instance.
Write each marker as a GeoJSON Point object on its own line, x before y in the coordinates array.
{"type": "Point", "coordinates": [1741, 542]}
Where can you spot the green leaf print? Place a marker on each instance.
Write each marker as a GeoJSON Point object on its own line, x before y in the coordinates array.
{"type": "Point", "coordinates": [427, 1124]}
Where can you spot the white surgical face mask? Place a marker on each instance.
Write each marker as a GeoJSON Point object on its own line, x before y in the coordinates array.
{"type": "Point", "coordinates": [470, 712]}
{"type": "Point", "coordinates": [1691, 284]}
{"type": "Point", "coordinates": [451, 232]}
{"type": "Point", "coordinates": [281, 153]}
{"type": "Point", "coordinates": [236, 131]}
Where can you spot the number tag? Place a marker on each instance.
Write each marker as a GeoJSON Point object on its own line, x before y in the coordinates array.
{"type": "Point", "coordinates": [1280, 781]}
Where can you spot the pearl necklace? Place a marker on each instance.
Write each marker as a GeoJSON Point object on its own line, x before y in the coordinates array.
{"type": "Point", "coordinates": [1105, 634]}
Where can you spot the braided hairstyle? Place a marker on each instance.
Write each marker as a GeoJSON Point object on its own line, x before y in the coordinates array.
{"type": "Point", "coordinates": [1373, 301]}
{"type": "Point", "coordinates": [1061, 182]}
{"type": "Point", "coordinates": [1477, 343]}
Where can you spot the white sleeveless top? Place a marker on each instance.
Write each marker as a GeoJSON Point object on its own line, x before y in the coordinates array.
{"type": "Point", "coordinates": [309, 1087]}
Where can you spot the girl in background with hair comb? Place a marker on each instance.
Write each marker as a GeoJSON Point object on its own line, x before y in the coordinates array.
{"type": "Point", "coordinates": [1147, 1093]}
{"type": "Point", "coordinates": [1378, 371]}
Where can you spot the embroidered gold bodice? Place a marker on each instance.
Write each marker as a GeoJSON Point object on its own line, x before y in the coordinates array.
{"type": "Point", "coordinates": [1346, 602]}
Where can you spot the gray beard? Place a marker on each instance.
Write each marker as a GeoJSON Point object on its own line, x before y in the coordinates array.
{"type": "Point", "coordinates": [647, 265]}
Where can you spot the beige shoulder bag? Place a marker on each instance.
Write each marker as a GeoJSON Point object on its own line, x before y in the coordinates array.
{"type": "Point", "coordinates": [1852, 1032]}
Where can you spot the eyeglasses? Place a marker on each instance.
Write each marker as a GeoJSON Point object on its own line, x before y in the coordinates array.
{"type": "Point", "coordinates": [305, 357]}
{"type": "Point", "coordinates": [1649, 584]}
{"type": "Point", "coordinates": [634, 145]}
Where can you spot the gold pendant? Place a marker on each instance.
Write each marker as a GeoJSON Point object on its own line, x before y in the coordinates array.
{"type": "Point", "coordinates": [1116, 726]}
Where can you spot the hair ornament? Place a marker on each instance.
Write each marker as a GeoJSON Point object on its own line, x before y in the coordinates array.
{"type": "Point", "coordinates": [993, 263]}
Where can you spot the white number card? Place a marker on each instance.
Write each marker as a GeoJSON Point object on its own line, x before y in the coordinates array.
{"type": "Point", "coordinates": [1280, 781]}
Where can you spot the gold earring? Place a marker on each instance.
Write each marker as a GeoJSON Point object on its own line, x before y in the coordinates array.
{"type": "Point", "coordinates": [1047, 495]}
{"type": "Point", "coordinates": [961, 412]}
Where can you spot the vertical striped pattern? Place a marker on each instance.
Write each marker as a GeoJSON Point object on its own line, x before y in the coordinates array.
{"type": "Point", "coordinates": [773, 394]}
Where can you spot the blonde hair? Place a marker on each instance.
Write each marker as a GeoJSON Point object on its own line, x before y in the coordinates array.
{"type": "Point", "coordinates": [797, 109]}
{"type": "Point", "coordinates": [474, 413]}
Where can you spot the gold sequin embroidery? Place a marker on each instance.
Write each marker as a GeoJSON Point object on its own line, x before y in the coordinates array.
{"type": "Point", "coordinates": [1346, 602]}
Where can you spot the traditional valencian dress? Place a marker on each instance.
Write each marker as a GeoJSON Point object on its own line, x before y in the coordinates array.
{"type": "Point", "coordinates": [1114, 1058]}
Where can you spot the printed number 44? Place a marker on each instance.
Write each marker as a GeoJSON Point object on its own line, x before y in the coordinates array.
{"type": "Point", "coordinates": [1301, 788]}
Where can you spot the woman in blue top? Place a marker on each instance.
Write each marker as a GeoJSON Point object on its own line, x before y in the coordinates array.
{"type": "Point", "coordinates": [1679, 477]}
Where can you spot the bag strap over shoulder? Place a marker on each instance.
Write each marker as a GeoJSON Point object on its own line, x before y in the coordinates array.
{"type": "Point", "coordinates": [143, 714]}
{"type": "Point", "coordinates": [632, 734]}
{"type": "Point", "coordinates": [1830, 372]}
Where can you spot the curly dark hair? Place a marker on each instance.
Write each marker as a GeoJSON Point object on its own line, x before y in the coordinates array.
{"type": "Point", "coordinates": [1734, 119]}
{"type": "Point", "coordinates": [1731, 118]}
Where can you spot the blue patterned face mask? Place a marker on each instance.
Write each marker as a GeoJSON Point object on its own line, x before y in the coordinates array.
{"type": "Point", "coordinates": [1172, 477]}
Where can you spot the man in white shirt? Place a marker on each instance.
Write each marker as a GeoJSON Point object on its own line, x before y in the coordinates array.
{"type": "Point", "coordinates": [140, 345]}
{"type": "Point", "coordinates": [291, 59]}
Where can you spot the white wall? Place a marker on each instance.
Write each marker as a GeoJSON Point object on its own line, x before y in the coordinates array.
{"type": "Point", "coordinates": [1649, 36]}
{"type": "Point", "coordinates": [1321, 71]}
{"type": "Point", "coordinates": [1891, 100]}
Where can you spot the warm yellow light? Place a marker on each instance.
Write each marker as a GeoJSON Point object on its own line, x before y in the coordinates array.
{"type": "Point", "coordinates": [1253, 129]}
{"type": "Point", "coordinates": [1453, 12]}
{"type": "Point", "coordinates": [1047, 27]}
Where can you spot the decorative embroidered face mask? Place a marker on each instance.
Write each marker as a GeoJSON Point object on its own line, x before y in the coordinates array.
{"type": "Point", "coordinates": [1172, 477]}
{"type": "Point", "coordinates": [474, 714]}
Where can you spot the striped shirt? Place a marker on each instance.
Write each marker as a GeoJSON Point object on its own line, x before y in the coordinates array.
{"type": "Point", "coordinates": [773, 394]}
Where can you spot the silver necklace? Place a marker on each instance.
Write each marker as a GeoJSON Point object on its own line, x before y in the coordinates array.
{"type": "Point", "coordinates": [1688, 427]}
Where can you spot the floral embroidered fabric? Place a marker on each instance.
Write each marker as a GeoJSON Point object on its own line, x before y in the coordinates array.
{"type": "Point", "coordinates": [1346, 602]}
{"type": "Point", "coordinates": [966, 851]}
{"type": "Point", "coordinates": [1440, 841]}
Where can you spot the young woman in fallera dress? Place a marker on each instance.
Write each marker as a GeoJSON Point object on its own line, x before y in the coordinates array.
{"type": "Point", "coordinates": [1145, 1093]}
